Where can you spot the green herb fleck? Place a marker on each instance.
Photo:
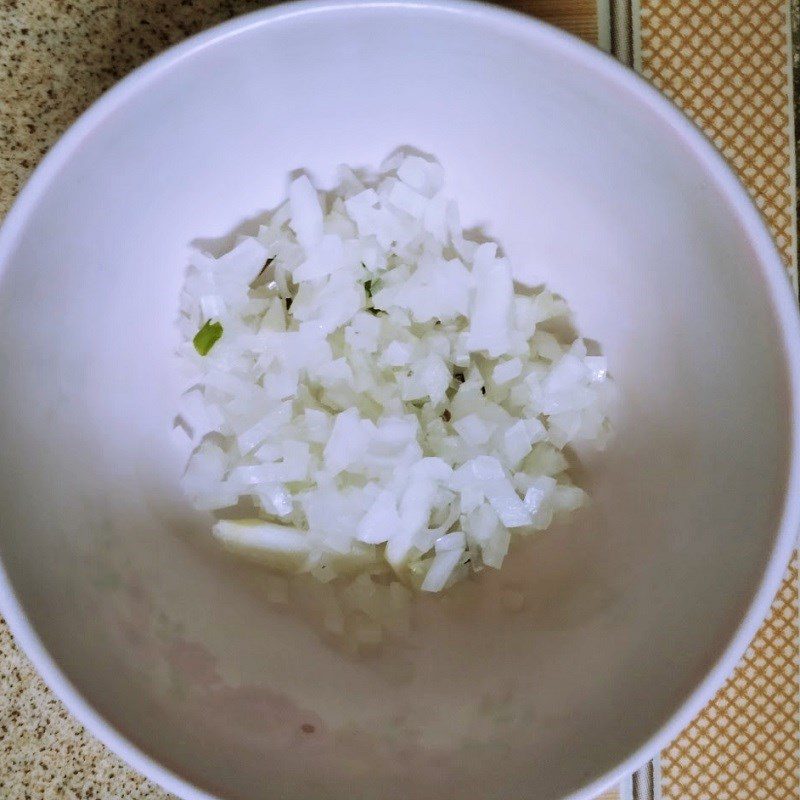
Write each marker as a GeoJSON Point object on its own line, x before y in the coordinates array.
{"type": "Point", "coordinates": [207, 337]}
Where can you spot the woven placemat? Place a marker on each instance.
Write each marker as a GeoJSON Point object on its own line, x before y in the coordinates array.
{"type": "Point", "coordinates": [726, 63]}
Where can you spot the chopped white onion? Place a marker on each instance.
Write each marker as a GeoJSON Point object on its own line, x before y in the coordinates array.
{"type": "Point", "coordinates": [376, 390]}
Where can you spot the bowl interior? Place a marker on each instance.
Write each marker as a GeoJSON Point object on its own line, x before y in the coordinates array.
{"type": "Point", "coordinates": [589, 190]}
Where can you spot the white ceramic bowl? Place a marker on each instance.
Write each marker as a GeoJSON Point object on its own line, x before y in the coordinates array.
{"type": "Point", "coordinates": [594, 184]}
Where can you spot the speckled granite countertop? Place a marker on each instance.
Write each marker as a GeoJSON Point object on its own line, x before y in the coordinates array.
{"type": "Point", "coordinates": [56, 57]}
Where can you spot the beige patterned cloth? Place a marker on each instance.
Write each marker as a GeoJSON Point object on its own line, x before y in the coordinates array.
{"type": "Point", "coordinates": [726, 64]}
{"type": "Point", "coordinates": [744, 746]}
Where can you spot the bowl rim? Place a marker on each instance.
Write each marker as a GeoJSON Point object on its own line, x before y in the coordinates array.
{"type": "Point", "coordinates": [502, 20]}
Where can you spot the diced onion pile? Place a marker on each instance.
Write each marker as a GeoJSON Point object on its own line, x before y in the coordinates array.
{"type": "Point", "coordinates": [374, 389]}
